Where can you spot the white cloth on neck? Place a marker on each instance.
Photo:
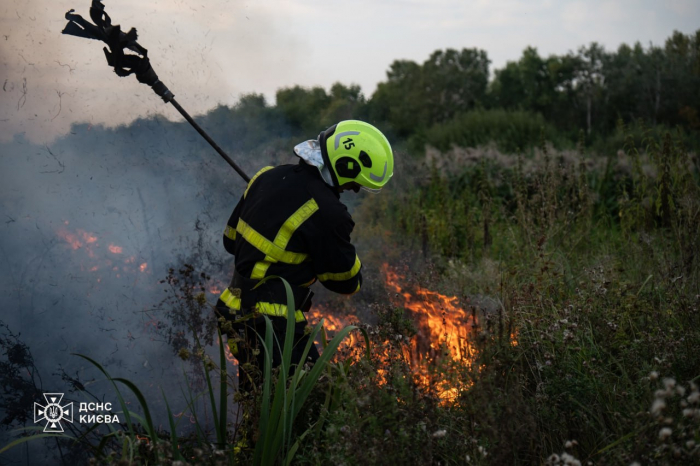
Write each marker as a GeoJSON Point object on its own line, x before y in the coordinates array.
{"type": "Point", "coordinates": [310, 152]}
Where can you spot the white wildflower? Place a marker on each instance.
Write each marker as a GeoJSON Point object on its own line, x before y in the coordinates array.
{"type": "Point", "coordinates": [653, 375]}
{"type": "Point", "coordinates": [669, 383]}
{"type": "Point", "coordinates": [665, 433]}
{"type": "Point", "coordinates": [439, 433]}
{"type": "Point", "coordinates": [569, 460]}
{"type": "Point", "coordinates": [694, 397]}
{"type": "Point", "coordinates": [658, 406]}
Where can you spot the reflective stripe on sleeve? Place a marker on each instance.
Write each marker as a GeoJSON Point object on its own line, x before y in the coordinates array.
{"type": "Point", "coordinates": [270, 309]}
{"type": "Point", "coordinates": [278, 310]}
{"type": "Point", "coordinates": [339, 277]}
{"type": "Point", "coordinates": [231, 301]}
{"type": "Point", "coordinates": [230, 232]}
{"type": "Point", "coordinates": [250, 183]}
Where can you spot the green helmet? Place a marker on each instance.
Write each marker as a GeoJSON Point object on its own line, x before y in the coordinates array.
{"type": "Point", "coordinates": [357, 151]}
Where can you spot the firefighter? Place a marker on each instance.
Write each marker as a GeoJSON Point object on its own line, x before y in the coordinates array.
{"type": "Point", "coordinates": [290, 223]}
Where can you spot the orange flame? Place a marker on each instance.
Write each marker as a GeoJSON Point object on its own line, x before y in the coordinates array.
{"type": "Point", "coordinates": [229, 357]}
{"type": "Point", "coordinates": [78, 239]}
{"type": "Point", "coordinates": [333, 323]}
{"type": "Point", "coordinates": [88, 242]}
{"type": "Point", "coordinates": [444, 329]}
{"type": "Point", "coordinates": [115, 249]}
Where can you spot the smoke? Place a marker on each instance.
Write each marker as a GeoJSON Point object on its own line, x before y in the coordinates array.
{"type": "Point", "coordinates": [89, 226]}
{"type": "Point", "coordinates": [205, 54]}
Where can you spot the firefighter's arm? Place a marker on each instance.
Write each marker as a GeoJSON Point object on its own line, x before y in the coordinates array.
{"type": "Point", "coordinates": [230, 230]}
{"type": "Point", "coordinates": [336, 263]}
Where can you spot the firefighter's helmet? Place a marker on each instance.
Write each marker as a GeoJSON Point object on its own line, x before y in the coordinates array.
{"type": "Point", "coordinates": [357, 151]}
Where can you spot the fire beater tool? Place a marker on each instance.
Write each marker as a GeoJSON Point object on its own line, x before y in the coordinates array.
{"type": "Point", "coordinates": [136, 63]}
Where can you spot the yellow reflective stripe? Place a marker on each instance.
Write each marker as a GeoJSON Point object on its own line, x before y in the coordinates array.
{"type": "Point", "coordinates": [250, 183]}
{"type": "Point", "coordinates": [291, 225]}
{"type": "Point", "coordinates": [231, 301]}
{"type": "Point", "coordinates": [267, 247]}
{"type": "Point", "coordinates": [339, 277]}
{"type": "Point", "coordinates": [356, 289]}
{"type": "Point", "coordinates": [271, 309]}
{"type": "Point", "coordinates": [278, 310]}
{"type": "Point", "coordinates": [230, 232]}
{"type": "Point", "coordinates": [260, 268]}
{"type": "Point", "coordinates": [294, 221]}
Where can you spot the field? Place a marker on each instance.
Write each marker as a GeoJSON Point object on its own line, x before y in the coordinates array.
{"type": "Point", "coordinates": [531, 274]}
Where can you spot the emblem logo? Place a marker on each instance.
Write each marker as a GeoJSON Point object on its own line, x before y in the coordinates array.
{"type": "Point", "coordinates": [53, 413]}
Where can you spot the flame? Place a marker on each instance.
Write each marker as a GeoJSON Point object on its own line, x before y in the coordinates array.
{"type": "Point", "coordinates": [332, 324]}
{"type": "Point", "coordinates": [88, 242]}
{"type": "Point", "coordinates": [115, 249]}
{"type": "Point", "coordinates": [78, 239]}
{"type": "Point", "coordinates": [444, 329]}
{"type": "Point", "coordinates": [229, 356]}
{"type": "Point", "coordinates": [443, 338]}
{"type": "Point", "coordinates": [447, 322]}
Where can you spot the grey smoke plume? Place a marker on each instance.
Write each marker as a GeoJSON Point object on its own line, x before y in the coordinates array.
{"type": "Point", "coordinates": [90, 225]}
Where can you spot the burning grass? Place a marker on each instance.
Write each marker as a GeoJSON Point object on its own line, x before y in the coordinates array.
{"type": "Point", "coordinates": [440, 335]}
{"type": "Point", "coordinates": [448, 382]}
{"type": "Point", "coordinates": [595, 277]}
{"type": "Point", "coordinates": [554, 319]}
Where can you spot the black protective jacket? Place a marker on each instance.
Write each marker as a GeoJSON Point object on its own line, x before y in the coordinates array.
{"type": "Point", "coordinates": [290, 223]}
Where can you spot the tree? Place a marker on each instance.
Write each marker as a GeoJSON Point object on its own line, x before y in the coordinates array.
{"type": "Point", "coordinates": [400, 100]}
{"type": "Point", "coordinates": [527, 84]}
{"type": "Point", "coordinates": [455, 82]}
{"type": "Point", "coordinates": [346, 103]}
{"type": "Point", "coordinates": [302, 107]}
{"type": "Point", "coordinates": [415, 96]}
{"type": "Point", "coordinates": [590, 77]}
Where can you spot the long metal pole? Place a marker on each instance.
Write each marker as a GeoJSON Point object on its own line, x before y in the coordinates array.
{"type": "Point", "coordinates": [124, 65]}
{"type": "Point", "coordinates": [216, 147]}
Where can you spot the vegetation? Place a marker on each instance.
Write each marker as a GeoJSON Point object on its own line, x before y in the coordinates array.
{"type": "Point", "coordinates": [565, 190]}
{"type": "Point", "coordinates": [448, 100]}
{"type": "Point", "coordinates": [597, 275]}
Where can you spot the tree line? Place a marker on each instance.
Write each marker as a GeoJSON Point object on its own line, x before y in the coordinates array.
{"type": "Point", "coordinates": [450, 99]}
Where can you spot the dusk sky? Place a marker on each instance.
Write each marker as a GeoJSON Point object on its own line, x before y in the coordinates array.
{"type": "Point", "coordinates": [212, 52]}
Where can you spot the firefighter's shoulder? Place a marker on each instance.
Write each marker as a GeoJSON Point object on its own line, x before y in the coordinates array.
{"type": "Point", "coordinates": [331, 212]}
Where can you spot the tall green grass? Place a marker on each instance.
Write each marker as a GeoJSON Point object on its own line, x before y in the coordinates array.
{"type": "Point", "coordinates": [596, 272]}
